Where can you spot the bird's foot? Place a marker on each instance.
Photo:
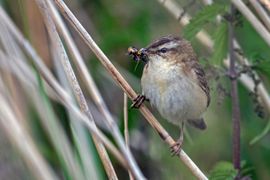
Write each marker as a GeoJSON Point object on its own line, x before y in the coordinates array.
{"type": "Point", "coordinates": [137, 102]}
{"type": "Point", "coordinates": [176, 147]}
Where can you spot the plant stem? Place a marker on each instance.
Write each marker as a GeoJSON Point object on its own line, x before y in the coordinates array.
{"type": "Point", "coordinates": [235, 98]}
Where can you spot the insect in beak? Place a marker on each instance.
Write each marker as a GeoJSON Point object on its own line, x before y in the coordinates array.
{"type": "Point", "coordinates": [138, 55]}
{"type": "Point", "coordinates": [143, 55]}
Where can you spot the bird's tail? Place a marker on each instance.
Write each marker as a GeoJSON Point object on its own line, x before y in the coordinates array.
{"type": "Point", "coordinates": [197, 123]}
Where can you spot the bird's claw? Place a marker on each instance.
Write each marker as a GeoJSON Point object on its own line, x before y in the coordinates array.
{"type": "Point", "coordinates": [137, 102]}
{"type": "Point", "coordinates": [176, 148]}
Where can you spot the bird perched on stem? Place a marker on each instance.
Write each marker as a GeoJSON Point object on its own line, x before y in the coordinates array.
{"type": "Point", "coordinates": [174, 82]}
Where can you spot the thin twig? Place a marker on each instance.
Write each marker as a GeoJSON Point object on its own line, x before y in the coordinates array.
{"type": "Point", "coordinates": [235, 98]}
{"type": "Point", "coordinates": [126, 87]}
{"type": "Point", "coordinates": [58, 46]}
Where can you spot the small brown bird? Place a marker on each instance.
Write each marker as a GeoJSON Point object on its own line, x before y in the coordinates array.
{"type": "Point", "coordinates": [174, 82]}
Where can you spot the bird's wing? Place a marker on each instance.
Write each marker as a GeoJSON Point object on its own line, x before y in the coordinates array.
{"type": "Point", "coordinates": [202, 80]}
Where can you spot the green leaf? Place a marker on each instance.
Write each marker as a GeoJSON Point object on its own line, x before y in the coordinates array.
{"type": "Point", "coordinates": [207, 14]}
{"type": "Point", "coordinates": [263, 67]}
{"type": "Point", "coordinates": [247, 170]}
{"type": "Point", "coordinates": [223, 171]}
{"type": "Point", "coordinates": [253, 45]}
{"type": "Point", "coordinates": [220, 38]}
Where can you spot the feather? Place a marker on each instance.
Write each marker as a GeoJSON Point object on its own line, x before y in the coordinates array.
{"type": "Point", "coordinates": [197, 123]}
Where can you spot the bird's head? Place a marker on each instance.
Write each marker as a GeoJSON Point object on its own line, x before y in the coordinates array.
{"type": "Point", "coordinates": [168, 49]}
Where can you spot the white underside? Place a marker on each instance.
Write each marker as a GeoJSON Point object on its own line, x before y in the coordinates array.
{"type": "Point", "coordinates": [176, 97]}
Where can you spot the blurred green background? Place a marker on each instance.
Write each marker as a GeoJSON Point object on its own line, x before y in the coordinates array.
{"type": "Point", "coordinates": [116, 25]}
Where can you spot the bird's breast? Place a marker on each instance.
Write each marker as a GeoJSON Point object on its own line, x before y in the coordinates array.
{"type": "Point", "coordinates": [176, 96]}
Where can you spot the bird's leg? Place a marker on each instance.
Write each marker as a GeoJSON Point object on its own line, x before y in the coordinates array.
{"type": "Point", "coordinates": [137, 102]}
{"type": "Point", "coordinates": [176, 147]}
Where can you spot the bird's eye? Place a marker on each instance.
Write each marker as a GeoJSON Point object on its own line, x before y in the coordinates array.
{"type": "Point", "coordinates": [163, 50]}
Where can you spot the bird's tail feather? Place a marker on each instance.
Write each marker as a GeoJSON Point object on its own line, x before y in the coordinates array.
{"type": "Point", "coordinates": [197, 123]}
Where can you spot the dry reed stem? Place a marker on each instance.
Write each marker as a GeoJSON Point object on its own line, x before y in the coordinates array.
{"type": "Point", "coordinates": [29, 84]}
{"type": "Point", "coordinates": [62, 95]}
{"type": "Point", "coordinates": [22, 140]}
{"type": "Point", "coordinates": [258, 26]}
{"type": "Point", "coordinates": [88, 79]}
{"type": "Point", "coordinates": [12, 49]}
{"type": "Point", "coordinates": [52, 127]}
{"type": "Point", "coordinates": [56, 134]}
{"type": "Point", "coordinates": [116, 133]}
{"type": "Point", "coordinates": [125, 110]}
{"type": "Point", "coordinates": [261, 12]}
{"type": "Point", "coordinates": [79, 62]}
{"type": "Point", "coordinates": [61, 53]}
{"type": "Point", "coordinates": [125, 86]}
{"type": "Point", "coordinates": [79, 132]}
{"type": "Point", "coordinates": [27, 149]}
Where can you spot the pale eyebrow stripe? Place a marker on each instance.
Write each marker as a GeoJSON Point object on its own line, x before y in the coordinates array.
{"type": "Point", "coordinates": [170, 45]}
{"type": "Point", "coordinates": [162, 41]}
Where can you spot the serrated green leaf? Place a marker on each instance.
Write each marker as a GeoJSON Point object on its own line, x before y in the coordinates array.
{"type": "Point", "coordinates": [207, 14]}
{"type": "Point", "coordinates": [223, 171]}
{"type": "Point", "coordinates": [220, 38]}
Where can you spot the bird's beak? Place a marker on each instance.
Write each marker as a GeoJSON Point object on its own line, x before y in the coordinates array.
{"type": "Point", "coordinates": [143, 54]}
